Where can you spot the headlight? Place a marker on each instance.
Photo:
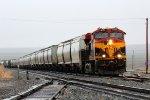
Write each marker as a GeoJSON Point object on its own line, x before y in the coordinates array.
{"type": "Point", "coordinates": [103, 55]}
{"type": "Point", "coordinates": [119, 55]}
{"type": "Point", "coordinates": [110, 42]}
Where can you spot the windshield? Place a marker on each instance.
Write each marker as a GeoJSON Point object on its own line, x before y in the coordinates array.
{"type": "Point", "coordinates": [101, 35]}
{"type": "Point", "coordinates": [117, 35]}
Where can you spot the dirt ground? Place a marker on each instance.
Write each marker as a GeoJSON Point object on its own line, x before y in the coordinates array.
{"type": "Point", "coordinates": [10, 85]}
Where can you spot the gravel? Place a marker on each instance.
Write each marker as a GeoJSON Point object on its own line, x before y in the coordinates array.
{"type": "Point", "coordinates": [73, 92]}
{"type": "Point", "coordinates": [13, 86]}
{"type": "Point", "coordinates": [77, 93]}
{"type": "Point", "coordinates": [111, 80]}
{"type": "Point", "coordinates": [82, 94]}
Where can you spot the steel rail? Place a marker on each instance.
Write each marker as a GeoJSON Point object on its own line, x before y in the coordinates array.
{"type": "Point", "coordinates": [112, 91]}
{"type": "Point", "coordinates": [55, 96]}
{"type": "Point", "coordinates": [31, 90]}
{"type": "Point", "coordinates": [141, 93]}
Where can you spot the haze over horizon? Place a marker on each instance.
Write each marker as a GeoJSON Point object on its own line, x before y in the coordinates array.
{"type": "Point", "coordinates": [41, 23]}
{"type": "Point", "coordinates": [139, 54]}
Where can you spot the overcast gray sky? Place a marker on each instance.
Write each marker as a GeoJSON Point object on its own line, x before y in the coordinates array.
{"type": "Point", "coordinates": [41, 23]}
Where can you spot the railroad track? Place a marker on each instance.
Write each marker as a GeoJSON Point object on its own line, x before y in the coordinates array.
{"type": "Point", "coordinates": [49, 90]}
{"type": "Point", "coordinates": [117, 90]}
{"type": "Point", "coordinates": [135, 78]}
{"type": "Point", "coordinates": [123, 77]}
{"type": "Point", "coordinates": [113, 91]}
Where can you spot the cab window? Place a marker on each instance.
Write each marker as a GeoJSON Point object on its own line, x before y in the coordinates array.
{"type": "Point", "coordinates": [101, 35]}
{"type": "Point", "coordinates": [116, 35]}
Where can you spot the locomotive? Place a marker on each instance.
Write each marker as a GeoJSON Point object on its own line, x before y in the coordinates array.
{"type": "Point", "coordinates": [100, 52]}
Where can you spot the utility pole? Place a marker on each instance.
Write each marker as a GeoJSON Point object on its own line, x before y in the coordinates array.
{"type": "Point", "coordinates": [18, 72]}
{"type": "Point", "coordinates": [132, 59]}
{"type": "Point", "coordinates": [146, 45]}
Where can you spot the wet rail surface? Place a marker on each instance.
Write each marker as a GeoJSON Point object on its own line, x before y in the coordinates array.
{"type": "Point", "coordinates": [49, 92]}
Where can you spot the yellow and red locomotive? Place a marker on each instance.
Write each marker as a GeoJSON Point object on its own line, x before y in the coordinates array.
{"type": "Point", "coordinates": [107, 51]}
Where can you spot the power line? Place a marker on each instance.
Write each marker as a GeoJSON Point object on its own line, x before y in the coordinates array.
{"type": "Point", "coordinates": [93, 22]}
{"type": "Point", "coordinates": [87, 19]}
{"type": "Point", "coordinates": [80, 21]}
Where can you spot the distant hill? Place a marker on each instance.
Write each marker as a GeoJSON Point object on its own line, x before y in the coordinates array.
{"type": "Point", "coordinates": [13, 53]}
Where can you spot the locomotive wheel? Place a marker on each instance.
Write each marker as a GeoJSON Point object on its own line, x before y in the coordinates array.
{"type": "Point", "coordinates": [116, 75]}
{"type": "Point", "coordinates": [89, 67]}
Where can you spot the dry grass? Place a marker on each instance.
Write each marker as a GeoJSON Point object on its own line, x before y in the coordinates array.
{"type": "Point", "coordinates": [5, 74]}
{"type": "Point", "coordinates": [141, 69]}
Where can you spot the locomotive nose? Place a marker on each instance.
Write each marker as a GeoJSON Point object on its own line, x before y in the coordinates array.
{"type": "Point", "coordinates": [110, 46]}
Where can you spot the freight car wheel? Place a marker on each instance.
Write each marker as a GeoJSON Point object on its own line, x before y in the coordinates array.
{"type": "Point", "coordinates": [93, 67]}
{"type": "Point", "coordinates": [83, 68]}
